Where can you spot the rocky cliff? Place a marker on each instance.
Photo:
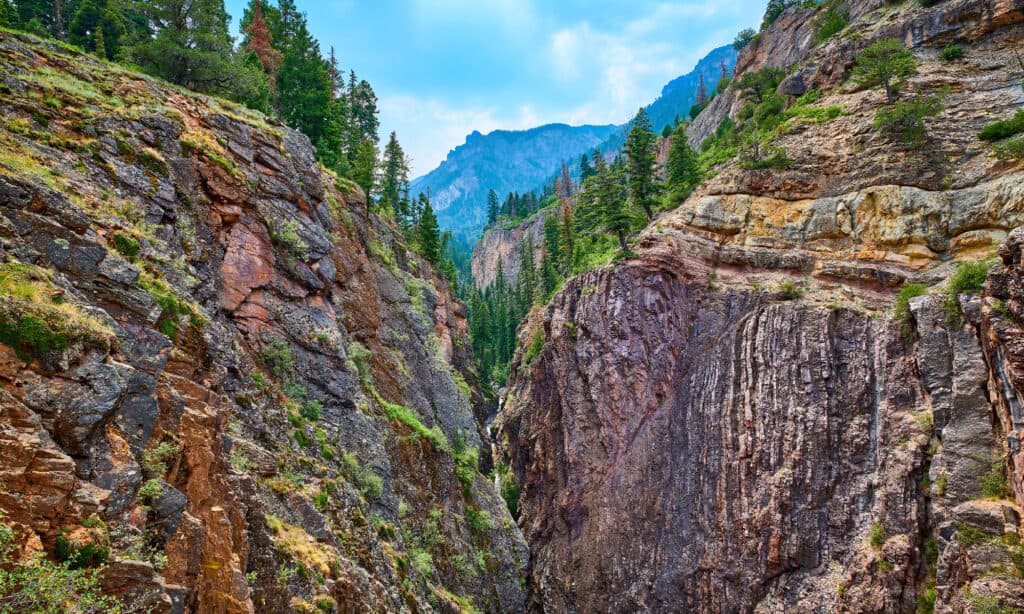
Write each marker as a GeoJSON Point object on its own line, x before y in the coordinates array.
{"type": "Point", "coordinates": [732, 421]}
{"type": "Point", "coordinates": [501, 244]}
{"type": "Point", "coordinates": [221, 375]}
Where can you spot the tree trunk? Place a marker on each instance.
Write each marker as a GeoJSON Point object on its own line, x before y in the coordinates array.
{"type": "Point", "coordinates": [622, 241]}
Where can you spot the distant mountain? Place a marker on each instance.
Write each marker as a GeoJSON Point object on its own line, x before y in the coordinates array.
{"type": "Point", "coordinates": [505, 161]}
{"type": "Point", "coordinates": [680, 94]}
{"type": "Point", "coordinates": [524, 160]}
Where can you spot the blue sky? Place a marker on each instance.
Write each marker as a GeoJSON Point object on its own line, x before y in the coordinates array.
{"type": "Point", "coordinates": [443, 68]}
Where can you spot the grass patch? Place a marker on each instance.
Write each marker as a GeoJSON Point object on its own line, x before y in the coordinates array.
{"type": "Point", "coordinates": [901, 308]}
{"type": "Point", "coordinates": [35, 318]}
{"type": "Point", "coordinates": [533, 350]}
{"type": "Point", "coordinates": [968, 279]}
{"type": "Point", "coordinates": [299, 545]}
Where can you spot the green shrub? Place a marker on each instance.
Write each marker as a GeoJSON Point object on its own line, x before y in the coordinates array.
{"type": "Point", "coordinates": [370, 484]}
{"type": "Point", "coordinates": [993, 482]}
{"type": "Point", "coordinates": [78, 556]}
{"type": "Point", "coordinates": [830, 20]}
{"type": "Point", "coordinates": [901, 307]}
{"type": "Point", "coordinates": [968, 279]}
{"type": "Point", "coordinates": [302, 438]}
{"type": "Point", "coordinates": [743, 38]}
{"type": "Point", "coordinates": [421, 562]}
{"type": "Point", "coordinates": [155, 459]}
{"type": "Point", "coordinates": [1004, 128]}
{"type": "Point", "coordinates": [1010, 149]}
{"type": "Point", "coordinates": [988, 604]}
{"type": "Point", "coordinates": [478, 520]}
{"type": "Point", "coordinates": [278, 357]}
{"type": "Point", "coordinates": [952, 53]}
{"type": "Point", "coordinates": [969, 535]}
{"type": "Point", "coordinates": [288, 237]}
{"type": "Point", "coordinates": [534, 348]}
{"type": "Point", "coordinates": [39, 585]}
{"type": "Point", "coordinates": [126, 246]}
{"type": "Point", "coordinates": [150, 491]}
{"type": "Point", "coordinates": [904, 121]}
{"type": "Point", "coordinates": [509, 489]}
{"type": "Point", "coordinates": [310, 410]}
{"type": "Point", "coordinates": [790, 291]}
{"type": "Point", "coordinates": [877, 536]}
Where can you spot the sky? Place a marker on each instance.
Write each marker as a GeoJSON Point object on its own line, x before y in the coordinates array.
{"type": "Point", "coordinates": [444, 68]}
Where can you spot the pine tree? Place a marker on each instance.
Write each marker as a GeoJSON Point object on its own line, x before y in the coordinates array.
{"type": "Point", "coordinates": [5, 14]}
{"type": "Point", "coordinates": [566, 241]}
{"type": "Point", "coordinates": [586, 168]}
{"type": "Point", "coordinates": [702, 91]}
{"type": "Point", "coordinates": [493, 207]}
{"type": "Point", "coordinates": [97, 26]}
{"type": "Point", "coordinates": [260, 41]}
{"type": "Point", "coordinates": [192, 47]}
{"type": "Point", "coordinates": [303, 83]}
{"type": "Point", "coordinates": [885, 63]}
{"type": "Point", "coordinates": [395, 177]}
{"type": "Point", "coordinates": [428, 235]}
{"type": "Point", "coordinates": [682, 167]}
{"type": "Point", "coordinates": [640, 151]}
{"type": "Point", "coordinates": [364, 166]}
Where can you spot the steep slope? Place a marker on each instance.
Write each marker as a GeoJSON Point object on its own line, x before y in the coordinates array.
{"type": "Point", "coordinates": [219, 371]}
{"type": "Point", "coordinates": [505, 161]}
{"type": "Point", "coordinates": [732, 422]}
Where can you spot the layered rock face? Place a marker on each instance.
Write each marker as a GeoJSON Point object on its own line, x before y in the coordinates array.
{"type": "Point", "coordinates": [500, 246]}
{"type": "Point", "coordinates": [732, 421]}
{"type": "Point", "coordinates": [219, 364]}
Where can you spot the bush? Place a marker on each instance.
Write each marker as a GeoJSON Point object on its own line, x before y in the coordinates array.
{"type": "Point", "coordinates": [39, 585]}
{"type": "Point", "coordinates": [993, 482]}
{"type": "Point", "coordinates": [1010, 149]}
{"type": "Point", "coordinates": [278, 357]}
{"type": "Point", "coordinates": [904, 121]}
{"type": "Point", "coordinates": [901, 307]}
{"type": "Point", "coordinates": [831, 20]}
{"type": "Point", "coordinates": [288, 237]}
{"type": "Point", "coordinates": [1004, 128]}
{"type": "Point", "coordinates": [790, 291]}
{"type": "Point", "coordinates": [536, 345]}
{"type": "Point", "coordinates": [310, 410]}
{"type": "Point", "coordinates": [743, 38]}
{"type": "Point", "coordinates": [968, 279]}
{"type": "Point", "coordinates": [126, 246]}
{"type": "Point", "coordinates": [877, 535]}
{"type": "Point", "coordinates": [952, 53]}
{"type": "Point", "coordinates": [478, 520]}
{"type": "Point", "coordinates": [370, 484]}
{"type": "Point", "coordinates": [150, 491]}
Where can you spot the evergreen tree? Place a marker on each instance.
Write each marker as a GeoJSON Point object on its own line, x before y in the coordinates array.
{"type": "Point", "coordinates": [885, 63]}
{"type": "Point", "coordinates": [303, 83]}
{"type": "Point", "coordinates": [364, 166]}
{"type": "Point", "coordinates": [586, 168]}
{"type": "Point", "coordinates": [493, 207]}
{"type": "Point", "coordinates": [191, 46]}
{"type": "Point", "coordinates": [5, 14]}
{"type": "Point", "coordinates": [702, 91]}
{"type": "Point", "coordinates": [682, 167]}
{"type": "Point", "coordinates": [98, 26]}
{"type": "Point", "coordinates": [394, 179]}
{"type": "Point", "coordinates": [428, 235]}
{"type": "Point", "coordinates": [640, 151]}
{"type": "Point", "coordinates": [567, 241]}
{"type": "Point", "coordinates": [35, 16]}
{"type": "Point", "coordinates": [259, 40]}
